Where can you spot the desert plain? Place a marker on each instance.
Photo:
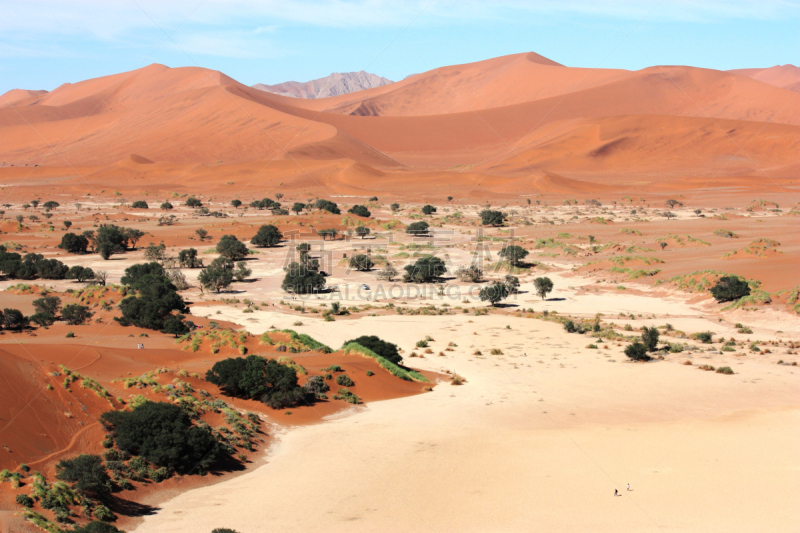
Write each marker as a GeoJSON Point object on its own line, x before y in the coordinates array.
{"type": "Point", "coordinates": [633, 192]}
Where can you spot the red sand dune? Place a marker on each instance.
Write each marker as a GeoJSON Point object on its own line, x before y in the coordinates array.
{"type": "Point", "coordinates": [784, 76]}
{"type": "Point", "coordinates": [510, 118]}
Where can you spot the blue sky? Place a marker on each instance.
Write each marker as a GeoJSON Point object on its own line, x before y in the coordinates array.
{"type": "Point", "coordinates": [44, 43]}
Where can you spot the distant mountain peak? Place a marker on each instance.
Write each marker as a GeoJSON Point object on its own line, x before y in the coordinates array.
{"type": "Point", "coordinates": [333, 85]}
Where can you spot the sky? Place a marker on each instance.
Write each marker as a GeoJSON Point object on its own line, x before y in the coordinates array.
{"type": "Point", "coordinates": [44, 43]}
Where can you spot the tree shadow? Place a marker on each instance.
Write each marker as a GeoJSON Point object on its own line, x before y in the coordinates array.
{"type": "Point", "coordinates": [555, 299]}
{"type": "Point", "coordinates": [125, 507]}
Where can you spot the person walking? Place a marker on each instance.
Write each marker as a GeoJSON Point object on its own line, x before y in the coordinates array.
{"type": "Point", "coordinates": [629, 487]}
{"type": "Point", "coordinates": [616, 492]}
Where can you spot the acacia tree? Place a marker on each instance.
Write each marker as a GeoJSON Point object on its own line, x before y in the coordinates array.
{"type": "Point", "coordinates": [494, 292]}
{"type": "Point", "coordinates": [267, 235]}
{"type": "Point", "coordinates": [514, 254]}
{"type": "Point", "coordinates": [362, 231]}
{"type": "Point", "coordinates": [493, 218]}
{"type": "Point", "coordinates": [231, 248]}
{"type": "Point", "coordinates": [361, 262]}
{"type": "Point", "coordinates": [543, 286]}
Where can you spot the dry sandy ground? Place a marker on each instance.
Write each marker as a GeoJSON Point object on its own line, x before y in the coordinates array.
{"type": "Point", "coordinates": [537, 441]}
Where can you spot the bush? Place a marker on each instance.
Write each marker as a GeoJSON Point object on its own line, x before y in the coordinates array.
{"type": "Point", "coordinates": [236, 203]}
{"type": "Point", "coordinates": [637, 351]}
{"type": "Point", "coordinates": [193, 202]}
{"type": "Point", "coordinates": [385, 349]}
{"type": "Point", "coordinates": [258, 377]}
{"type": "Point", "coordinates": [97, 527]}
{"type": "Point", "coordinates": [650, 338]}
{"type": "Point", "coordinates": [166, 206]}
{"type": "Point", "coordinates": [140, 204]}
{"type": "Point", "coordinates": [267, 235]}
{"type": "Point", "coordinates": [725, 370]}
{"type": "Point", "coordinates": [344, 380]}
{"type": "Point", "coordinates": [24, 500]}
{"type": "Point", "coordinates": [428, 209]}
{"type": "Point", "coordinates": [360, 210]}
{"type": "Point", "coordinates": [87, 472]}
{"type": "Point", "coordinates": [224, 530]}
{"type": "Point", "coordinates": [316, 385]}
{"type": "Point", "coordinates": [704, 336]}
{"type": "Point", "coordinates": [76, 314]}
{"type": "Point", "coordinates": [362, 231]}
{"type": "Point", "coordinates": [163, 434]}
{"type": "Point", "coordinates": [730, 288]}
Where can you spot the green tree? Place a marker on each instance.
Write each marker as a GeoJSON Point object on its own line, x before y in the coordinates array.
{"type": "Point", "coordinates": [418, 228]}
{"type": "Point", "coordinates": [327, 205]}
{"type": "Point", "coordinates": [360, 210]}
{"type": "Point", "coordinates": [87, 472]}
{"type": "Point", "coordinates": [267, 235]}
{"type": "Point", "coordinates": [74, 244]}
{"type": "Point", "coordinates": [193, 202]}
{"type": "Point", "coordinates": [730, 288]}
{"type": "Point", "coordinates": [80, 273]}
{"type": "Point", "coordinates": [494, 292]}
{"type": "Point", "coordinates": [362, 231]}
{"type": "Point", "coordinates": [493, 218]}
{"type": "Point", "coordinates": [511, 283]}
{"type": "Point", "coordinates": [47, 304]}
{"type": "Point", "coordinates": [231, 248]}
{"type": "Point", "coordinates": [425, 270]}
{"type": "Point", "coordinates": [242, 272]}
{"type": "Point", "coordinates": [361, 262]}
{"type": "Point", "coordinates": [175, 325]}
{"type": "Point", "coordinates": [188, 258]}
{"type": "Point", "coordinates": [133, 235]}
{"type": "Point", "coordinates": [166, 206]}
{"type": "Point", "coordinates": [138, 276]}
{"type": "Point", "coordinates": [140, 204]}
{"type": "Point", "coordinates": [260, 378]}
{"type": "Point", "coordinates": [395, 207]}
{"type": "Point", "coordinates": [385, 349]}
{"type": "Point", "coordinates": [300, 279]}
{"type": "Point", "coordinates": [428, 209]}
{"type": "Point", "coordinates": [513, 254]}
{"type": "Point", "coordinates": [163, 434]}
{"type": "Point", "coordinates": [543, 286]}
{"type": "Point", "coordinates": [236, 203]}
{"type": "Point", "coordinates": [297, 207]}
{"type": "Point", "coordinates": [215, 278]}
{"type": "Point", "coordinates": [97, 526]}
{"type": "Point", "coordinates": [50, 205]}
{"type": "Point", "coordinates": [13, 319]}
{"type": "Point", "coordinates": [76, 314]}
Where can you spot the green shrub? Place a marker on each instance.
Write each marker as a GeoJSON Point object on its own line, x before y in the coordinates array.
{"type": "Point", "coordinates": [730, 288]}
{"type": "Point", "coordinates": [24, 500]}
{"type": "Point", "coordinates": [725, 370]}
{"type": "Point", "coordinates": [637, 351]}
{"type": "Point", "coordinates": [706, 337]}
{"type": "Point", "coordinates": [344, 380]}
{"type": "Point", "coordinates": [385, 349]}
{"type": "Point", "coordinates": [163, 434]}
{"type": "Point", "coordinates": [87, 472]}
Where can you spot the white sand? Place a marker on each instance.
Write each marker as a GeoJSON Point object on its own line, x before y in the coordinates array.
{"type": "Point", "coordinates": [530, 443]}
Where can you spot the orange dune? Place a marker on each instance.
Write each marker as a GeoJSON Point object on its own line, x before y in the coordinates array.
{"type": "Point", "coordinates": [784, 76]}
{"type": "Point", "coordinates": [509, 122]}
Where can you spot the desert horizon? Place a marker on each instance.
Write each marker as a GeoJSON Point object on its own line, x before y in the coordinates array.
{"type": "Point", "coordinates": [500, 293]}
